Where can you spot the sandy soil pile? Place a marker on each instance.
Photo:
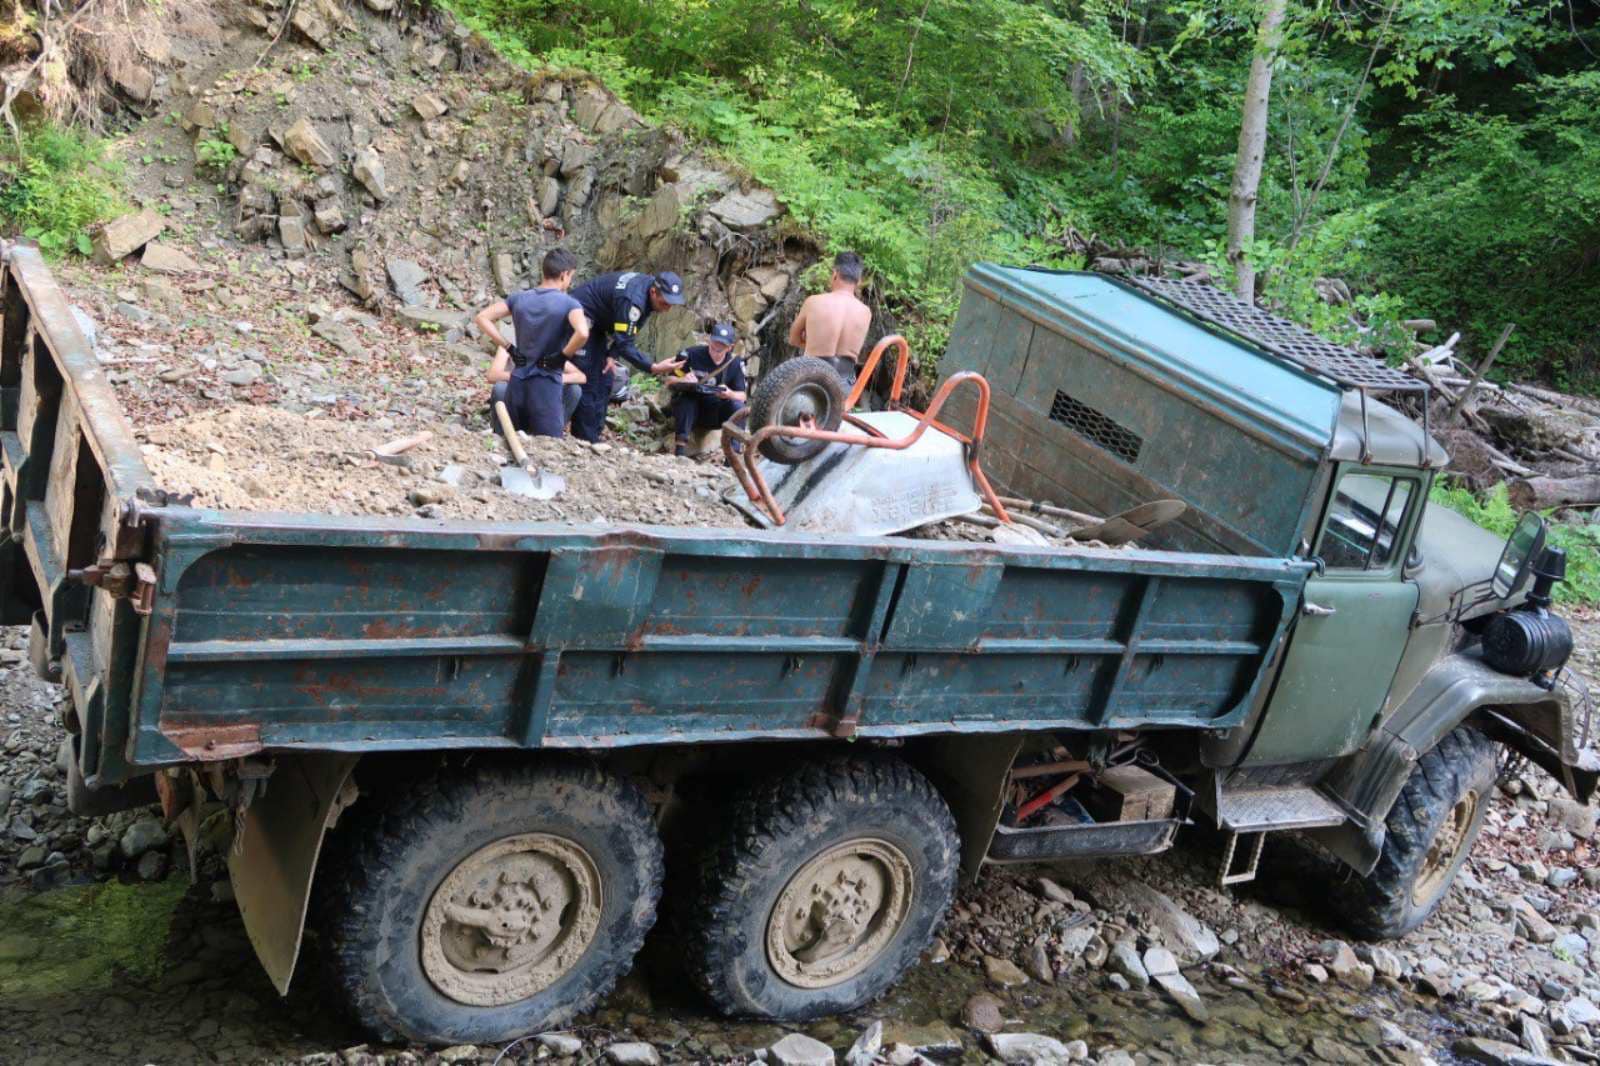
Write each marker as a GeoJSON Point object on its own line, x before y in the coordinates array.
{"type": "Point", "coordinates": [269, 459]}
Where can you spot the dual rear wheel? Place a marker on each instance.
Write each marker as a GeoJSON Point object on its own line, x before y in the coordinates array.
{"type": "Point", "coordinates": [479, 905]}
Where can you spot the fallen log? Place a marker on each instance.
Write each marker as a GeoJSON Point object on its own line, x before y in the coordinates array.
{"type": "Point", "coordinates": [1541, 493]}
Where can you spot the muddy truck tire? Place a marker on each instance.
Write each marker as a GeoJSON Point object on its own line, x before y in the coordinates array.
{"type": "Point", "coordinates": [804, 386]}
{"type": "Point", "coordinates": [822, 889]}
{"type": "Point", "coordinates": [483, 904]}
{"type": "Point", "coordinates": [1431, 829]}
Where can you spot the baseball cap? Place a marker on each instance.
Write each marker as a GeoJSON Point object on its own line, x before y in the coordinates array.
{"type": "Point", "coordinates": [670, 286]}
{"type": "Point", "coordinates": [722, 333]}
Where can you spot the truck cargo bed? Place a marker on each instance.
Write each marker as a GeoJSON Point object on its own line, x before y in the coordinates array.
{"type": "Point", "coordinates": [215, 634]}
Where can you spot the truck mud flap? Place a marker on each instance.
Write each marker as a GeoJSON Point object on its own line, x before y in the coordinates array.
{"type": "Point", "coordinates": [274, 854]}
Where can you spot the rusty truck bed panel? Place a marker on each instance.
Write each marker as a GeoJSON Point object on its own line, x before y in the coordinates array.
{"type": "Point", "coordinates": [216, 634]}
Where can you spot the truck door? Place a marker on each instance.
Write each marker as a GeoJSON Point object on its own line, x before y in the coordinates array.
{"type": "Point", "coordinates": [1353, 622]}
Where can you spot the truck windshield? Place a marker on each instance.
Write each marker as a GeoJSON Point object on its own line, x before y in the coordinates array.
{"type": "Point", "coordinates": [1365, 521]}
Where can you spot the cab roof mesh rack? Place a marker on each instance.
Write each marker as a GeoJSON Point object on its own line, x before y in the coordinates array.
{"type": "Point", "coordinates": [1276, 335]}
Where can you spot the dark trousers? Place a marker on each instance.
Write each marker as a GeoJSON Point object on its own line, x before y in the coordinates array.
{"type": "Point", "coordinates": [589, 418]}
{"type": "Point", "coordinates": [691, 411]}
{"type": "Point", "coordinates": [501, 390]}
{"type": "Point", "coordinates": [535, 403]}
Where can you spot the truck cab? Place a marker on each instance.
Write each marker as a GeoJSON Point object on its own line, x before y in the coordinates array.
{"type": "Point", "coordinates": [1109, 392]}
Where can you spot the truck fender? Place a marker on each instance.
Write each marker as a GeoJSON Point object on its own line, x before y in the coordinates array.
{"type": "Point", "coordinates": [1532, 721]}
{"type": "Point", "coordinates": [275, 851]}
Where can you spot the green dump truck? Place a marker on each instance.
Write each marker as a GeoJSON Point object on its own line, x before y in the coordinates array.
{"type": "Point", "coordinates": [464, 753]}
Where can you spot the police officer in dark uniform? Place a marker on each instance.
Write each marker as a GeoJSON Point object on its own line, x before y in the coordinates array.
{"type": "Point", "coordinates": [708, 387]}
{"type": "Point", "coordinates": [617, 304]}
{"type": "Point", "coordinates": [550, 329]}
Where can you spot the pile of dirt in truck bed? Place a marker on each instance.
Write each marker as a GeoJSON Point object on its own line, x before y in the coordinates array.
{"type": "Point", "coordinates": [261, 458]}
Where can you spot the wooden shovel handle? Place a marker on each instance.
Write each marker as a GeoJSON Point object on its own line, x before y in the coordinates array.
{"type": "Point", "coordinates": [510, 431]}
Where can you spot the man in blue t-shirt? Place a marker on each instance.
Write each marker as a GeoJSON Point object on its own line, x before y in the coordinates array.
{"type": "Point", "coordinates": [708, 385]}
{"type": "Point", "coordinates": [550, 329]}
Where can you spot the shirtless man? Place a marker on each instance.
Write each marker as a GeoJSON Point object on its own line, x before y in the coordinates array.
{"type": "Point", "coordinates": [833, 325]}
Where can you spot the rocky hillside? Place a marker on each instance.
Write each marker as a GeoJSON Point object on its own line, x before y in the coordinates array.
{"type": "Point", "coordinates": [316, 226]}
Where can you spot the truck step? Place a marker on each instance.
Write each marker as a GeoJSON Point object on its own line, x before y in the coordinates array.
{"type": "Point", "coordinates": [1254, 810]}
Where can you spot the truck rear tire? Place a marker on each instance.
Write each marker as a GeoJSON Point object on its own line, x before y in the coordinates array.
{"type": "Point", "coordinates": [822, 889]}
{"type": "Point", "coordinates": [802, 386]}
{"type": "Point", "coordinates": [1431, 829]}
{"type": "Point", "coordinates": [478, 905]}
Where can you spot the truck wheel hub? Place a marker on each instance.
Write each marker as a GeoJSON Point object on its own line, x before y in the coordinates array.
{"type": "Point", "coordinates": [510, 919]}
{"type": "Point", "coordinates": [838, 913]}
{"type": "Point", "coordinates": [1441, 856]}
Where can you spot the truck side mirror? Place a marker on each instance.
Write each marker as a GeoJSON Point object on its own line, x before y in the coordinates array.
{"type": "Point", "coordinates": [1522, 548]}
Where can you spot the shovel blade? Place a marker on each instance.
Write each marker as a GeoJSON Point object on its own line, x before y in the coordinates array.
{"type": "Point", "coordinates": [531, 483]}
{"type": "Point", "coordinates": [1133, 523]}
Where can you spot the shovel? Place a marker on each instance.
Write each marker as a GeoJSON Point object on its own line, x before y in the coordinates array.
{"type": "Point", "coordinates": [524, 479]}
{"type": "Point", "coordinates": [1133, 523]}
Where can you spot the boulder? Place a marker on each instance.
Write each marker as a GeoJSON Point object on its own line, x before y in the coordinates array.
{"type": "Point", "coordinates": [549, 196]}
{"type": "Point", "coordinates": [1497, 1053]}
{"type": "Point", "coordinates": [1183, 993]}
{"type": "Point", "coordinates": [340, 336]}
{"type": "Point", "coordinates": [167, 259]}
{"type": "Point", "coordinates": [633, 1054]}
{"type": "Point", "coordinates": [313, 26]}
{"type": "Point", "coordinates": [137, 83]}
{"type": "Point", "coordinates": [983, 1012]}
{"type": "Point", "coordinates": [329, 216]}
{"type": "Point", "coordinates": [865, 1050]}
{"type": "Point", "coordinates": [935, 1040]}
{"type": "Point", "coordinates": [121, 237]}
{"type": "Point", "coordinates": [797, 1049]}
{"type": "Point", "coordinates": [561, 1045]}
{"type": "Point", "coordinates": [590, 105]}
{"type": "Point", "coordinates": [368, 170]}
{"type": "Point", "coordinates": [575, 157]}
{"type": "Point", "coordinates": [428, 106]}
{"type": "Point", "coordinates": [1124, 959]}
{"type": "Point", "coordinates": [302, 141]}
{"type": "Point", "coordinates": [436, 318]}
{"type": "Point", "coordinates": [146, 834]}
{"type": "Point", "coordinates": [1190, 939]}
{"type": "Point", "coordinates": [746, 211]}
{"type": "Point", "coordinates": [1028, 1049]}
{"type": "Point", "coordinates": [292, 232]}
{"type": "Point", "coordinates": [1531, 923]}
{"type": "Point", "coordinates": [1159, 962]}
{"type": "Point", "coordinates": [1003, 972]}
{"type": "Point", "coordinates": [407, 278]}
{"type": "Point", "coordinates": [1576, 818]}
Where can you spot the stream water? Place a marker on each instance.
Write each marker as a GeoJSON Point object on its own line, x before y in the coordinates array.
{"type": "Point", "coordinates": [161, 973]}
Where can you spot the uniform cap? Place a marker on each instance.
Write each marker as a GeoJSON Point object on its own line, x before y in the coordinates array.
{"type": "Point", "coordinates": [670, 286]}
{"type": "Point", "coordinates": [722, 333]}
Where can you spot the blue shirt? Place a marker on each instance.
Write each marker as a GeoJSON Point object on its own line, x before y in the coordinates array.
{"type": "Point", "coordinates": [540, 318]}
{"type": "Point", "coordinates": [617, 305]}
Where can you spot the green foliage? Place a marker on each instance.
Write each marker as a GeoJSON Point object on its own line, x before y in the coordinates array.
{"type": "Point", "coordinates": [1438, 155]}
{"type": "Point", "coordinates": [215, 152]}
{"type": "Point", "coordinates": [1499, 221]}
{"type": "Point", "coordinates": [1493, 511]}
{"type": "Point", "coordinates": [57, 185]}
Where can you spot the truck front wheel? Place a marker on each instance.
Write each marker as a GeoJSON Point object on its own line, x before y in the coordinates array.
{"type": "Point", "coordinates": [825, 886]}
{"type": "Point", "coordinates": [1430, 831]}
{"type": "Point", "coordinates": [483, 904]}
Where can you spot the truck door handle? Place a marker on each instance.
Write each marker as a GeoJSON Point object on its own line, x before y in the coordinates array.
{"type": "Point", "coordinates": [1316, 610]}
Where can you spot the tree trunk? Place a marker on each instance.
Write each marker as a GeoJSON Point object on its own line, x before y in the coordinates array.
{"type": "Point", "coordinates": [1252, 148]}
{"type": "Point", "coordinates": [1540, 493]}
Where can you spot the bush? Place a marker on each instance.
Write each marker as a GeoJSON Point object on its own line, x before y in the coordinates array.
{"type": "Point", "coordinates": [56, 186]}
{"type": "Point", "coordinates": [1493, 511]}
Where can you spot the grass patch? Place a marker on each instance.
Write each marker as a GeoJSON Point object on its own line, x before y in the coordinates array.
{"type": "Point", "coordinates": [56, 186]}
{"type": "Point", "coordinates": [1493, 511]}
{"type": "Point", "coordinates": [85, 937]}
